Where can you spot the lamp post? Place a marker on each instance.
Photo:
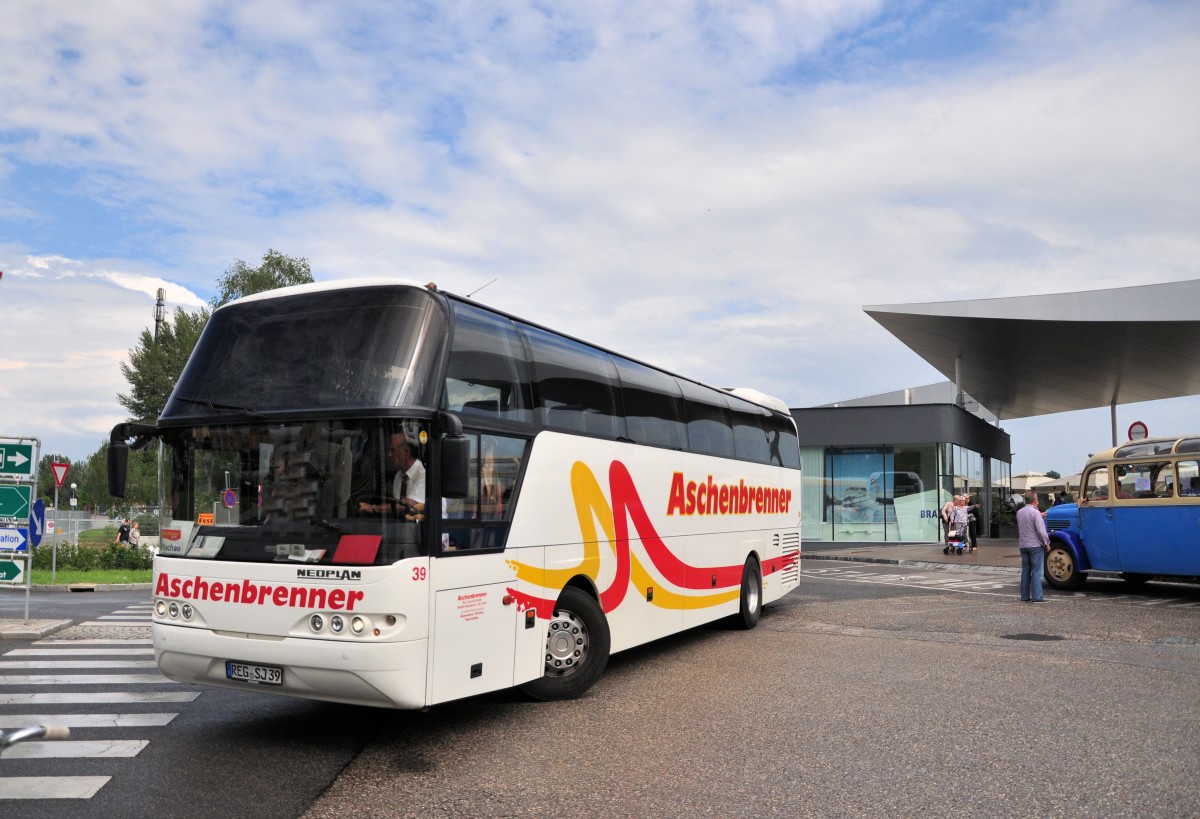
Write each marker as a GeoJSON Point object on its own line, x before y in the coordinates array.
{"type": "Point", "coordinates": [74, 512]}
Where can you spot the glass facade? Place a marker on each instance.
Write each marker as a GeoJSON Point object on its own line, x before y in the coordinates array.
{"type": "Point", "coordinates": [890, 493]}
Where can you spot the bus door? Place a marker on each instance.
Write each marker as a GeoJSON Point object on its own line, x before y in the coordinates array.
{"type": "Point", "coordinates": [481, 638]}
{"type": "Point", "coordinates": [1096, 520]}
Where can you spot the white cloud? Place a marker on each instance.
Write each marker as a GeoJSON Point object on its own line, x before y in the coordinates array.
{"type": "Point", "coordinates": [717, 188]}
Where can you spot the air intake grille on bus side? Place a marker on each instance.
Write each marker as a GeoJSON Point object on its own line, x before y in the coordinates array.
{"type": "Point", "coordinates": [789, 544]}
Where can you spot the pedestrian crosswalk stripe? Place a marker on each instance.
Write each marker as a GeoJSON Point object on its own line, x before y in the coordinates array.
{"type": "Point", "coordinates": [15, 664]}
{"type": "Point", "coordinates": [77, 749]}
{"type": "Point", "coordinates": [141, 617]}
{"type": "Point", "coordinates": [148, 720]}
{"type": "Point", "coordinates": [94, 697]}
{"type": "Point", "coordinates": [82, 652]}
{"type": "Point", "coordinates": [51, 787]}
{"type": "Point", "coordinates": [126, 622]}
{"type": "Point", "coordinates": [81, 679]}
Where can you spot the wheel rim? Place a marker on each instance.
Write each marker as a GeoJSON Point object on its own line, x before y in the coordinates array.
{"type": "Point", "coordinates": [566, 643]}
{"type": "Point", "coordinates": [753, 594]}
{"type": "Point", "coordinates": [1059, 565]}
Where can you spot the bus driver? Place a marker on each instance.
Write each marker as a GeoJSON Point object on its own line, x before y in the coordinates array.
{"type": "Point", "coordinates": [408, 487]}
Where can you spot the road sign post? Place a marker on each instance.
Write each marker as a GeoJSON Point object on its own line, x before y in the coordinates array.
{"type": "Point", "coordinates": [21, 520]}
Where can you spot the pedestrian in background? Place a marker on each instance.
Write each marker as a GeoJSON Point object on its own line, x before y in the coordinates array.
{"type": "Point", "coordinates": [134, 533]}
{"type": "Point", "coordinates": [123, 534]}
{"type": "Point", "coordinates": [1034, 542]}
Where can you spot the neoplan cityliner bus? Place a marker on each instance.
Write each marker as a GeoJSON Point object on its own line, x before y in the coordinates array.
{"type": "Point", "coordinates": [575, 502]}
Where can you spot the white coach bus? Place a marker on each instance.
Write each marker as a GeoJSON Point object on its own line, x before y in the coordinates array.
{"type": "Point", "coordinates": [383, 494]}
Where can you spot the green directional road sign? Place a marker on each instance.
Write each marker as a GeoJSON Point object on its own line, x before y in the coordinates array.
{"type": "Point", "coordinates": [17, 459]}
{"type": "Point", "coordinates": [14, 502]}
{"type": "Point", "coordinates": [11, 571]}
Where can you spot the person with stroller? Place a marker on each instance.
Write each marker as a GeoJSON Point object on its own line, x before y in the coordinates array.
{"type": "Point", "coordinates": [957, 536]}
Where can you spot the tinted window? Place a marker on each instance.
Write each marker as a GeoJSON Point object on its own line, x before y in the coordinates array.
{"type": "Point", "coordinates": [781, 434]}
{"type": "Point", "coordinates": [574, 385]}
{"type": "Point", "coordinates": [487, 376]}
{"type": "Point", "coordinates": [709, 429]}
{"type": "Point", "coordinates": [653, 406]}
{"type": "Point", "coordinates": [749, 438]}
{"type": "Point", "coordinates": [362, 347]}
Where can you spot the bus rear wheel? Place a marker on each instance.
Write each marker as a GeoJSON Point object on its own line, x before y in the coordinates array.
{"type": "Point", "coordinates": [1061, 570]}
{"type": "Point", "coordinates": [577, 646]}
{"type": "Point", "coordinates": [751, 605]}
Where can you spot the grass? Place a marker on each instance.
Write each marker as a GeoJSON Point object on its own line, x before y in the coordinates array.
{"type": "Point", "coordinates": [101, 577]}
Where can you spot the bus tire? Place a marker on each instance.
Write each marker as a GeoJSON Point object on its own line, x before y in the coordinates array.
{"type": "Point", "coordinates": [751, 604]}
{"type": "Point", "coordinates": [577, 646]}
{"type": "Point", "coordinates": [1062, 572]}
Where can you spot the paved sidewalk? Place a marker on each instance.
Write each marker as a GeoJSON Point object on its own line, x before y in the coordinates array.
{"type": "Point", "coordinates": [998, 554]}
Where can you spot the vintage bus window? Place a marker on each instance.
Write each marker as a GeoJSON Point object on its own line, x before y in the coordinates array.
{"type": "Point", "coordinates": [653, 405]}
{"type": "Point", "coordinates": [487, 375]}
{"type": "Point", "coordinates": [1188, 476]}
{"type": "Point", "coordinates": [371, 347]}
{"type": "Point", "coordinates": [1144, 480]}
{"type": "Point", "coordinates": [574, 385]}
{"type": "Point", "coordinates": [1188, 446]}
{"type": "Point", "coordinates": [709, 429]}
{"type": "Point", "coordinates": [1095, 485]}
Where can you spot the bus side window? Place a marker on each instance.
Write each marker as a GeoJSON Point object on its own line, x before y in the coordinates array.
{"type": "Point", "coordinates": [1188, 475]}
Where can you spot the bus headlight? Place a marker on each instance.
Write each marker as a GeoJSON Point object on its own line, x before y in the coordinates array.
{"type": "Point", "coordinates": [187, 611]}
{"type": "Point", "coordinates": [358, 625]}
{"type": "Point", "coordinates": [336, 624]}
{"type": "Point", "coordinates": [316, 622]}
{"type": "Point", "coordinates": [160, 608]}
{"type": "Point", "coordinates": [173, 609]}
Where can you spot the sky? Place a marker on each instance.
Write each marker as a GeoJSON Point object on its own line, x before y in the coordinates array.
{"type": "Point", "coordinates": [714, 187]}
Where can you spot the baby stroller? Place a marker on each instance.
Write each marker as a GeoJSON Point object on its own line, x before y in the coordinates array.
{"type": "Point", "coordinates": [956, 541]}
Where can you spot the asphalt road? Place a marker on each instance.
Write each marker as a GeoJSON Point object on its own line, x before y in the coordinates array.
{"type": "Point", "coordinates": [871, 689]}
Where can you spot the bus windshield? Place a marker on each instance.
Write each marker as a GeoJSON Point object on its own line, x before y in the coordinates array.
{"type": "Point", "coordinates": [338, 349]}
{"type": "Point", "coordinates": [300, 491]}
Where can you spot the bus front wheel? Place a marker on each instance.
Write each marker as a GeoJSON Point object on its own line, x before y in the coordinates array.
{"type": "Point", "coordinates": [577, 645]}
{"type": "Point", "coordinates": [1062, 572]}
{"type": "Point", "coordinates": [751, 605]}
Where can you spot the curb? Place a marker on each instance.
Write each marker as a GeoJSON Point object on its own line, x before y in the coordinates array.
{"type": "Point", "coordinates": [912, 564]}
{"type": "Point", "coordinates": [33, 630]}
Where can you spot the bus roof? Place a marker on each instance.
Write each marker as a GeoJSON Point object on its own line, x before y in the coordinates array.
{"type": "Point", "coordinates": [754, 396]}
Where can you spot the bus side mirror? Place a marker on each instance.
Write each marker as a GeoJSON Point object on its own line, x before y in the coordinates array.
{"type": "Point", "coordinates": [456, 466]}
{"type": "Point", "coordinates": [118, 453]}
{"type": "Point", "coordinates": [118, 463]}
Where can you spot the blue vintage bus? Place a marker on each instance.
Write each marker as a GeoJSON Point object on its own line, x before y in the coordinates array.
{"type": "Point", "coordinates": [1138, 514]}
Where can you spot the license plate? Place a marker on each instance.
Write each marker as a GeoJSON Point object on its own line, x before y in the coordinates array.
{"type": "Point", "coordinates": [248, 672]}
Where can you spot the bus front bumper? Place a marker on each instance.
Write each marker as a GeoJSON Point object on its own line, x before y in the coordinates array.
{"type": "Point", "coordinates": [384, 675]}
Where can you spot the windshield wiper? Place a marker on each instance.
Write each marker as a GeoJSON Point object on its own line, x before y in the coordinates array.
{"type": "Point", "coordinates": [217, 405]}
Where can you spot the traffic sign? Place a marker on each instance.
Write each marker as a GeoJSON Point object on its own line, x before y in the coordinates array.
{"type": "Point", "coordinates": [13, 540]}
{"type": "Point", "coordinates": [17, 460]}
{"type": "Point", "coordinates": [1138, 431]}
{"type": "Point", "coordinates": [14, 503]}
{"type": "Point", "coordinates": [11, 571]}
{"type": "Point", "coordinates": [37, 522]}
{"type": "Point", "coordinates": [60, 473]}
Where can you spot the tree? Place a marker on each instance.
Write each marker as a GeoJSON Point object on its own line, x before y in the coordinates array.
{"type": "Point", "coordinates": [1053, 474]}
{"type": "Point", "coordinates": [276, 270]}
{"type": "Point", "coordinates": [155, 366]}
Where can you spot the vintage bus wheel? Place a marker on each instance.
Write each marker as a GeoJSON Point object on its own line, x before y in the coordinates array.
{"type": "Point", "coordinates": [1061, 571]}
{"type": "Point", "coordinates": [751, 606]}
{"type": "Point", "coordinates": [577, 645]}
